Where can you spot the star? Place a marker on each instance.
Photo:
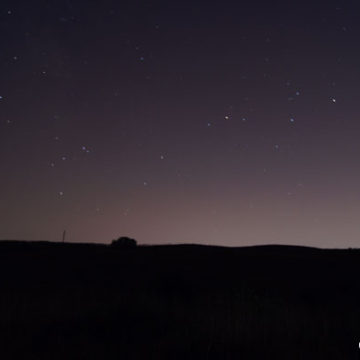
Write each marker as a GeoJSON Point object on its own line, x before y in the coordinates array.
{"type": "Point", "coordinates": [333, 100]}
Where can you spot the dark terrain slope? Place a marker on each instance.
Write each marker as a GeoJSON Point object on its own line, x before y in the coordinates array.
{"type": "Point", "coordinates": [83, 301]}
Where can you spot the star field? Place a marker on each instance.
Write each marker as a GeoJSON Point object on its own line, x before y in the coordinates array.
{"type": "Point", "coordinates": [222, 123]}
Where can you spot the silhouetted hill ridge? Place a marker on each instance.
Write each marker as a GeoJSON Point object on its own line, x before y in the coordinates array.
{"type": "Point", "coordinates": [177, 301]}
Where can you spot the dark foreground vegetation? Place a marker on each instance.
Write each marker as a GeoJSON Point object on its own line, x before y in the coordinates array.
{"type": "Point", "coordinates": [62, 301]}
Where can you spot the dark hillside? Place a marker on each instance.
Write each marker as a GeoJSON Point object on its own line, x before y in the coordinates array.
{"type": "Point", "coordinates": [86, 301]}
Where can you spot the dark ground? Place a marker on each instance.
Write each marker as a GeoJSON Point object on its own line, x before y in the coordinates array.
{"type": "Point", "coordinates": [62, 301]}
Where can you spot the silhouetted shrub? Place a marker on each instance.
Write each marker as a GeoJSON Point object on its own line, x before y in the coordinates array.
{"type": "Point", "coordinates": [124, 242]}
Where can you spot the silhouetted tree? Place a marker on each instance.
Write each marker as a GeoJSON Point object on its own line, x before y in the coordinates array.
{"type": "Point", "coordinates": [124, 242]}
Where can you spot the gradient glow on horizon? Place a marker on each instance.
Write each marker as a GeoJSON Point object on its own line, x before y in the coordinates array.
{"type": "Point", "coordinates": [176, 122]}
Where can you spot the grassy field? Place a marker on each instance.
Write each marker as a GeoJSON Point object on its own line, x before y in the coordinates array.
{"type": "Point", "coordinates": [83, 301]}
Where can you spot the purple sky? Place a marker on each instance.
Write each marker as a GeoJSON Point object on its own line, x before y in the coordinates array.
{"type": "Point", "coordinates": [229, 123]}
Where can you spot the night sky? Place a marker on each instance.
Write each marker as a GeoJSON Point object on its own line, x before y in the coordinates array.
{"type": "Point", "coordinates": [180, 122]}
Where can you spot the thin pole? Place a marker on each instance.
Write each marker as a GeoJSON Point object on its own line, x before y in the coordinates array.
{"type": "Point", "coordinates": [63, 237]}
